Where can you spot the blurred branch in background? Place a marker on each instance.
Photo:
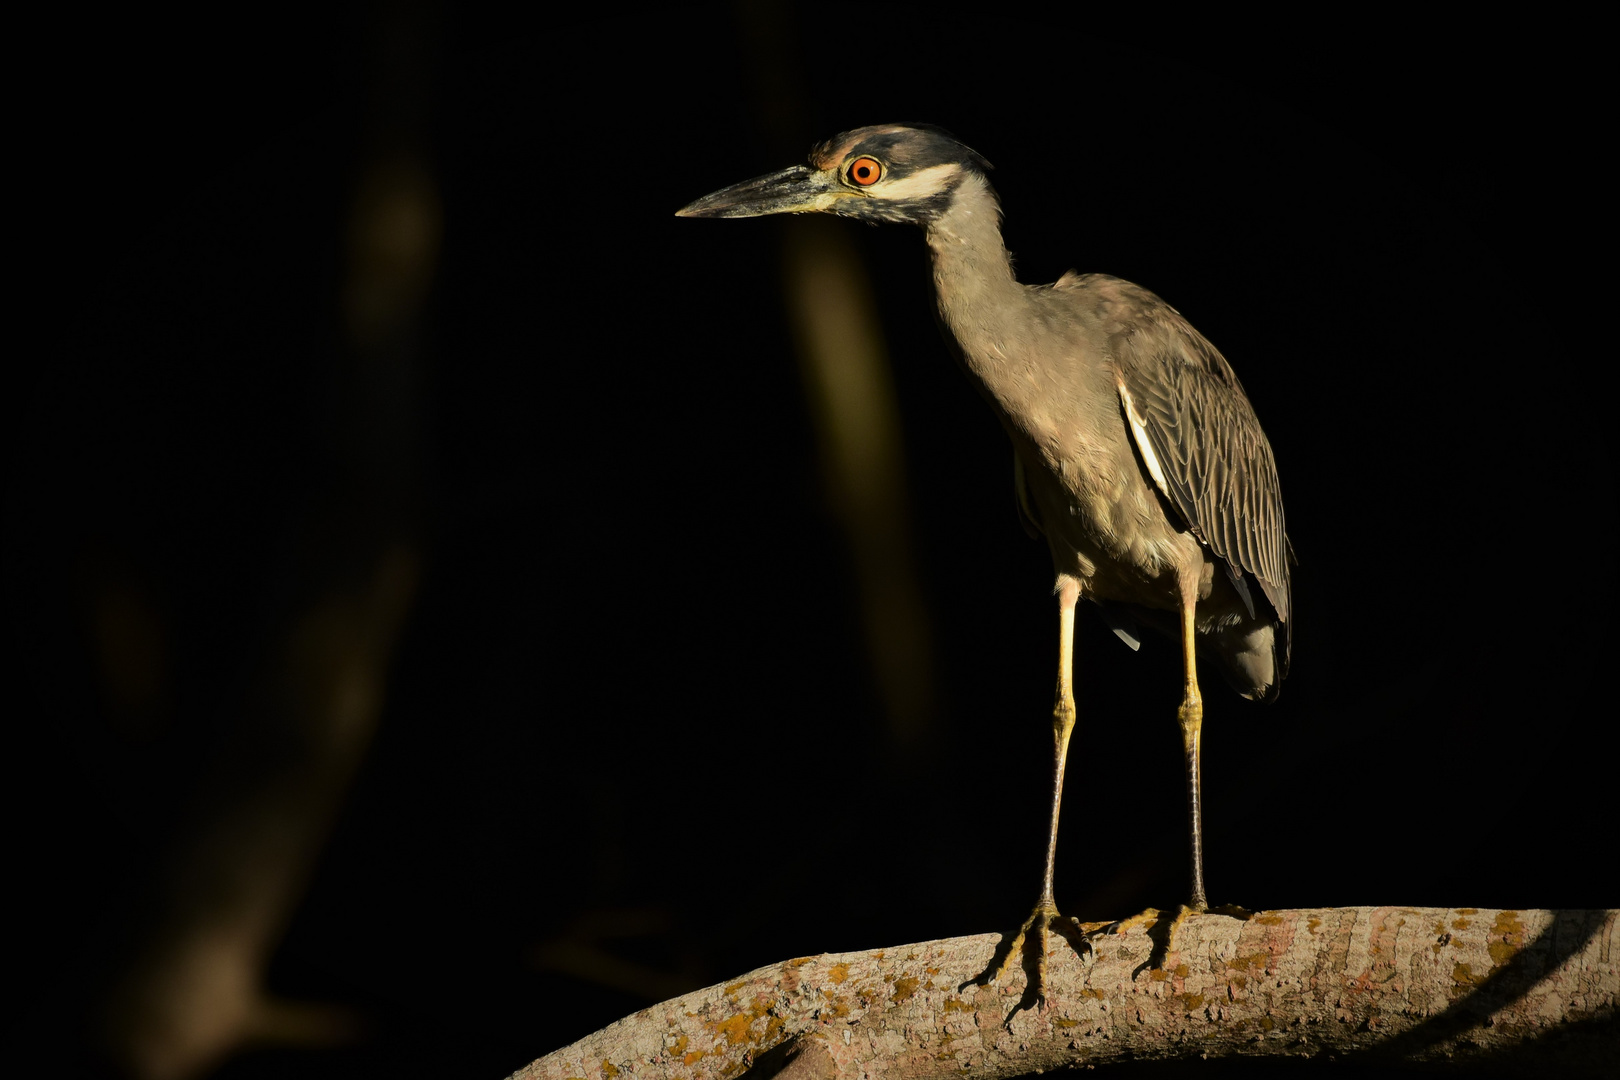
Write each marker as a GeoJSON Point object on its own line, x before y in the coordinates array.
{"type": "Point", "coordinates": [849, 385]}
{"type": "Point", "coordinates": [857, 422]}
{"type": "Point", "coordinates": [189, 990]}
{"type": "Point", "coordinates": [580, 951]}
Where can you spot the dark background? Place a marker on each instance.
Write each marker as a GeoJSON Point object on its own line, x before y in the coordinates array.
{"type": "Point", "coordinates": [631, 708]}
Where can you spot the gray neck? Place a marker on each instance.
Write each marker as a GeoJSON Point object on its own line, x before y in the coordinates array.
{"type": "Point", "coordinates": [966, 240]}
{"type": "Point", "coordinates": [981, 304]}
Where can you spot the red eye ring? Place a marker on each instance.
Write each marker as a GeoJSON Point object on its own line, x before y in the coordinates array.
{"type": "Point", "coordinates": [865, 171]}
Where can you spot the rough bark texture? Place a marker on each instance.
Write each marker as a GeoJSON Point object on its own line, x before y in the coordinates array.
{"type": "Point", "coordinates": [1530, 989]}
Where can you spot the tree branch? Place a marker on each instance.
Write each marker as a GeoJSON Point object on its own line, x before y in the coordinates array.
{"type": "Point", "coordinates": [1430, 985]}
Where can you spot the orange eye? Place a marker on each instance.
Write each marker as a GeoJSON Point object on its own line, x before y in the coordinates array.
{"type": "Point", "coordinates": [865, 171]}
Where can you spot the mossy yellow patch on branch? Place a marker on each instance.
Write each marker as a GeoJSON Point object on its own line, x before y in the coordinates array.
{"type": "Point", "coordinates": [737, 1029]}
{"type": "Point", "coordinates": [1512, 937]}
{"type": "Point", "coordinates": [838, 973]}
{"type": "Point", "coordinates": [734, 1028]}
{"type": "Point", "coordinates": [1253, 961]}
{"type": "Point", "coordinates": [904, 988]}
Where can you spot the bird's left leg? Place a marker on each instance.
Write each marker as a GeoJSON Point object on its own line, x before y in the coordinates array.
{"type": "Point", "coordinates": [1191, 718]}
{"type": "Point", "coordinates": [1046, 916]}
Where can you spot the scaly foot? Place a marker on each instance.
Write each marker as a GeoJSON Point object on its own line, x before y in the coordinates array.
{"type": "Point", "coordinates": [1161, 932]}
{"type": "Point", "coordinates": [1032, 937]}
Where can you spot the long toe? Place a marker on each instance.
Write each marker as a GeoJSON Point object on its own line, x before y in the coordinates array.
{"type": "Point", "coordinates": [1033, 936]}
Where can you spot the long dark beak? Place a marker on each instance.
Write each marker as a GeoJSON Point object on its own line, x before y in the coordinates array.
{"type": "Point", "coordinates": [797, 190]}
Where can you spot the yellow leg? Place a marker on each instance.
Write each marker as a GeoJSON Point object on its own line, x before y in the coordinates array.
{"type": "Point", "coordinates": [1046, 910]}
{"type": "Point", "coordinates": [1062, 719]}
{"type": "Point", "coordinates": [1191, 717]}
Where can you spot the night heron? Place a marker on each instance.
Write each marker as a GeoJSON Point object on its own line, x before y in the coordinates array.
{"type": "Point", "coordinates": [1136, 452]}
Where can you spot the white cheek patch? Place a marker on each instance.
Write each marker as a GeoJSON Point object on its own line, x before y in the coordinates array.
{"type": "Point", "coordinates": [920, 185]}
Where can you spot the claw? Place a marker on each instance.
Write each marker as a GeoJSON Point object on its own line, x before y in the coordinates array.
{"type": "Point", "coordinates": [1033, 936]}
{"type": "Point", "coordinates": [1161, 932]}
{"type": "Point", "coordinates": [1145, 919]}
{"type": "Point", "coordinates": [1182, 912]}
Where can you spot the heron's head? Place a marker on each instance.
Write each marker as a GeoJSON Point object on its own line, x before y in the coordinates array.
{"type": "Point", "coordinates": [891, 172]}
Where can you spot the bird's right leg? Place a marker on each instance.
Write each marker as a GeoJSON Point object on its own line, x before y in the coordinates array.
{"type": "Point", "coordinates": [1046, 914]}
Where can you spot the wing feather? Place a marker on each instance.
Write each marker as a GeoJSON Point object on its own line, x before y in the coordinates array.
{"type": "Point", "coordinates": [1197, 432]}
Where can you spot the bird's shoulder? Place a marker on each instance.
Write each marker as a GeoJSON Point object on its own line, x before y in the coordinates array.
{"type": "Point", "coordinates": [1143, 331]}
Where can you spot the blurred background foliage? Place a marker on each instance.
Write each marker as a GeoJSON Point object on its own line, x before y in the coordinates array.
{"type": "Point", "coordinates": [452, 604]}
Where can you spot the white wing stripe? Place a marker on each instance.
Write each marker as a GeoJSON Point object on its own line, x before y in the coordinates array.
{"type": "Point", "coordinates": [1143, 445]}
